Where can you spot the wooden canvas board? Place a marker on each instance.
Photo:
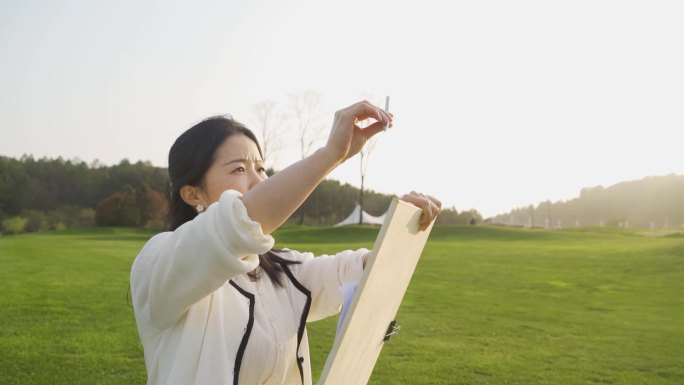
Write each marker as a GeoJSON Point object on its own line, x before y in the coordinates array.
{"type": "Point", "coordinates": [377, 298]}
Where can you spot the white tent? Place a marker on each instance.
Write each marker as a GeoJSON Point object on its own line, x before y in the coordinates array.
{"type": "Point", "coordinates": [353, 218]}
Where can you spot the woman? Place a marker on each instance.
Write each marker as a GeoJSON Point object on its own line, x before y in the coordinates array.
{"type": "Point", "coordinates": [213, 302]}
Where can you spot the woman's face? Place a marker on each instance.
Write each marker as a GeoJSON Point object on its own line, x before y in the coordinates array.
{"type": "Point", "coordinates": [237, 166]}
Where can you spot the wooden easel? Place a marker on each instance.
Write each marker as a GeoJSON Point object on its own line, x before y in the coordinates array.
{"type": "Point", "coordinates": [369, 321]}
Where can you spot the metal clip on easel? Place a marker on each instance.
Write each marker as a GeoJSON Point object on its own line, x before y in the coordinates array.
{"type": "Point", "coordinates": [393, 329]}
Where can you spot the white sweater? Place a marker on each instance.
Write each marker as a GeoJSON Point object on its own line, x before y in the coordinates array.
{"type": "Point", "coordinates": [196, 308]}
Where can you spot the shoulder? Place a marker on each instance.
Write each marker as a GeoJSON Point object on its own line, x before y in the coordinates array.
{"type": "Point", "coordinates": [156, 242]}
{"type": "Point", "coordinates": [293, 255]}
{"type": "Point", "coordinates": [150, 250]}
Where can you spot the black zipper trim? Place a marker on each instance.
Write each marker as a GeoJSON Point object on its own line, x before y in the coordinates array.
{"type": "Point", "coordinates": [302, 320]}
{"type": "Point", "coordinates": [248, 331]}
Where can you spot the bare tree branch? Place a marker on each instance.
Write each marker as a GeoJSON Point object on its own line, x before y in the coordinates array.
{"type": "Point", "coordinates": [365, 155]}
{"type": "Point", "coordinates": [306, 109]}
{"type": "Point", "coordinates": [269, 123]}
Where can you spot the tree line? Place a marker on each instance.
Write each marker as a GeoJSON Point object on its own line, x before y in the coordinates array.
{"type": "Point", "coordinates": [46, 194]}
{"type": "Point", "coordinates": [655, 202]}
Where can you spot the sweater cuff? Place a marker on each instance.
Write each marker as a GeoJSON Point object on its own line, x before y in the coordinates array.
{"type": "Point", "coordinates": [353, 271]}
{"type": "Point", "coordinates": [239, 233]}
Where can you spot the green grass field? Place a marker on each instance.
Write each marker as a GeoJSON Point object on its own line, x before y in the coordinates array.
{"type": "Point", "coordinates": [485, 306]}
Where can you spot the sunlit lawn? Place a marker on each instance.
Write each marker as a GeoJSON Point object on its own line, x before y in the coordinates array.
{"type": "Point", "coordinates": [486, 306]}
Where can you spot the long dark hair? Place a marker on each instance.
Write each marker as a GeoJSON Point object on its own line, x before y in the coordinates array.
{"type": "Point", "coordinates": [189, 159]}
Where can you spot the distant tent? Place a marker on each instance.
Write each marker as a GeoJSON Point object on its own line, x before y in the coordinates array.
{"type": "Point", "coordinates": [353, 218]}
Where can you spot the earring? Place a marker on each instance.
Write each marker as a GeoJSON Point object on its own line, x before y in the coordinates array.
{"type": "Point", "coordinates": [199, 208]}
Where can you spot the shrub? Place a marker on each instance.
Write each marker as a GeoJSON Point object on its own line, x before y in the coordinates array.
{"type": "Point", "coordinates": [37, 220]}
{"type": "Point", "coordinates": [14, 225]}
{"type": "Point", "coordinates": [86, 217]}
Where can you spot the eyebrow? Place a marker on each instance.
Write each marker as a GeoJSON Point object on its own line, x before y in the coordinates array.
{"type": "Point", "coordinates": [241, 160]}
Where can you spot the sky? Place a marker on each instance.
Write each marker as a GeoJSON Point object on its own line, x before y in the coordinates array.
{"type": "Point", "coordinates": [497, 104]}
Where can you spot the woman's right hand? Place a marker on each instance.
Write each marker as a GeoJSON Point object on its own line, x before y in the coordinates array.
{"type": "Point", "coordinates": [346, 137]}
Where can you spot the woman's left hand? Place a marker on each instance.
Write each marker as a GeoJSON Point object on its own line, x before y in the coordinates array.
{"type": "Point", "coordinates": [430, 205]}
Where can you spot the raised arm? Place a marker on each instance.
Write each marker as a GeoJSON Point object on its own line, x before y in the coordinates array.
{"type": "Point", "coordinates": [274, 200]}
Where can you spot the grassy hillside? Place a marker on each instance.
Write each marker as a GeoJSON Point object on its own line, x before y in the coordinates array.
{"type": "Point", "coordinates": [486, 306]}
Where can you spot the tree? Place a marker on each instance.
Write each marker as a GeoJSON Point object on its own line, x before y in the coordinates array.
{"type": "Point", "coordinates": [305, 108]}
{"type": "Point", "coordinates": [57, 193]}
{"type": "Point", "coordinates": [153, 207]}
{"type": "Point", "coordinates": [144, 207]}
{"type": "Point", "coordinates": [364, 156]}
{"type": "Point", "coordinates": [656, 201]}
{"type": "Point", "coordinates": [118, 209]}
{"type": "Point", "coordinates": [269, 122]}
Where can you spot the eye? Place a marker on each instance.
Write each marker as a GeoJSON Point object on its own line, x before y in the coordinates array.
{"type": "Point", "coordinates": [262, 169]}
{"type": "Point", "coordinates": [239, 169]}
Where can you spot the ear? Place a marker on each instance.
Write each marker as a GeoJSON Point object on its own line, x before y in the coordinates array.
{"type": "Point", "coordinates": [192, 196]}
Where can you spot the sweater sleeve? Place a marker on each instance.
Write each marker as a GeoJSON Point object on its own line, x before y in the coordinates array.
{"type": "Point", "coordinates": [324, 275]}
{"type": "Point", "coordinates": [176, 269]}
